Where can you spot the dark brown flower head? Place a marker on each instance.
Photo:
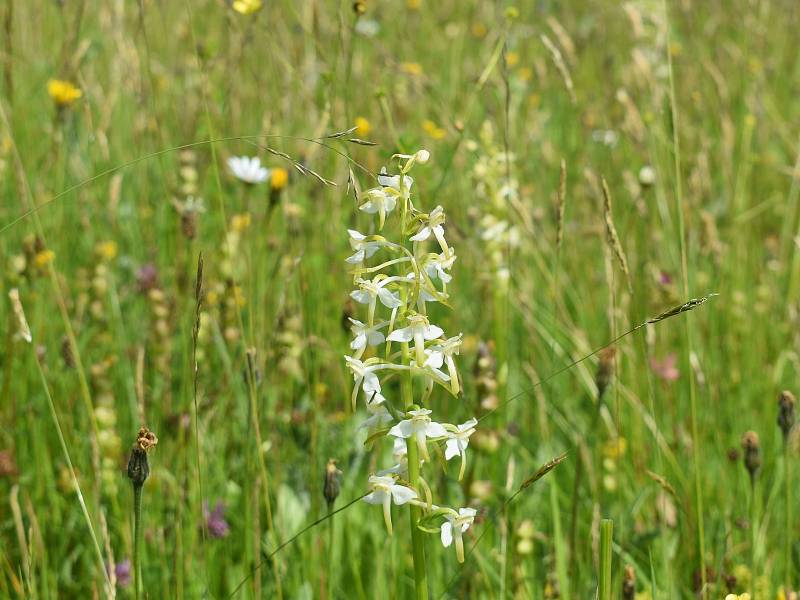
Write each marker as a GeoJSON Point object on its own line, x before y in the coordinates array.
{"type": "Point", "coordinates": [138, 466]}
{"type": "Point", "coordinates": [331, 487]}
{"type": "Point", "coordinates": [786, 414]}
{"type": "Point", "coordinates": [752, 453]}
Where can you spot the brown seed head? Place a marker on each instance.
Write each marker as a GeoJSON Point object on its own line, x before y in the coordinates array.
{"type": "Point", "coordinates": [628, 583]}
{"type": "Point", "coordinates": [138, 466]}
{"type": "Point", "coordinates": [786, 414]}
{"type": "Point", "coordinates": [752, 453]}
{"type": "Point", "coordinates": [331, 487]}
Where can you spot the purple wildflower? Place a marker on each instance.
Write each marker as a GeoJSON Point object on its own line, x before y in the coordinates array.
{"type": "Point", "coordinates": [122, 571]}
{"type": "Point", "coordinates": [146, 278]}
{"type": "Point", "coordinates": [215, 520]}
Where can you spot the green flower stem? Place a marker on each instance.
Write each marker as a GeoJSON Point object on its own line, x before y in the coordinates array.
{"type": "Point", "coordinates": [417, 541]}
{"type": "Point", "coordinates": [788, 542]}
{"type": "Point", "coordinates": [137, 538]}
{"type": "Point", "coordinates": [606, 532]}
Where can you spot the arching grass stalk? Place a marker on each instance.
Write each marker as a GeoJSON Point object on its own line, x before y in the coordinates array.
{"type": "Point", "coordinates": [138, 471]}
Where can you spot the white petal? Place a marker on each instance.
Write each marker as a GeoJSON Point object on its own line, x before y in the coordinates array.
{"type": "Point", "coordinates": [422, 235]}
{"type": "Point", "coordinates": [356, 258]}
{"type": "Point", "coordinates": [359, 342]}
{"type": "Point", "coordinates": [361, 296]}
{"type": "Point", "coordinates": [435, 359]}
{"type": "Point", "coordinates": [447, 533]}
{"type": "Point", "coordinates": [451, 449]}
{"type": "Point", "coordinates": [432, 332]}
{"type": "Point", "coordinates": [435, 430]}
{"type": "Point", "coordinates": [402, 494]}
{"type": "Point", "coordinates": [371, 383]}
{"type": "Point", "coordinates": [369, 207]}
{"type": "Point", "coordinates": [375, 338]}
{"type": "Point", "coordinates": [404, 429]}
{"type": "Point", "coordinates": [401, 335]}
{"type": "Point", "coordinates": [356, 235]}
{"type": "Point", "coordinates": [388, 299]}
{"type": "Point", "coordinates": [468, 424]}
{"type": "Point", "coordinates": [375, 497]}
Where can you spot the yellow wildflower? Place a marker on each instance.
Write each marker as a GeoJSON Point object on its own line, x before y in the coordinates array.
{"type": "Point", "coordinates": [278, 178]}
{"type": "Point", "coordinates": [238, 296]}
{"type": "Point", "coordinates": [512, 59]}
{"type": "Point", "coordinates": [43, 258]}
{"type": "Point", "coordinates": [107, 250]}
{"type": "Point", "coordinates": [479, 30]}
{"type": "Point", "coordinates": [433, 130]}
{"type": "Point", "coordinates": [62, 92]}
{"type": "Point", "coordinates": [362, 127]}
{"type": "Point", "coordinates": [240, 222]}
{"type": "Point", "coordinates": [411, 68]}
{"type": "Point", "coordinates": [246, 7]}
{"type": "Point", "coordinates": [413, 4]}
{"type": "Point", "coordinates": [525, 73]}
{"type": "Point", "coordinates": [614, 449]}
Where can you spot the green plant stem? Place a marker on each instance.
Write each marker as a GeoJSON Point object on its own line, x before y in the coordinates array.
{"type": "Point", "coordinates": [788, 541]}
{"type": "Point", "coordinates": [606, 533]}
{"type": "Point", "coordinates": [137, 538]}
{"type": "Point", "coordinates": [753, 536]}
{"type": "Point", "coordinates": [417, 541]}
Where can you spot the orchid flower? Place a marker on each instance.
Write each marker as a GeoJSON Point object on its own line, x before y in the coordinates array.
{"type": "Point", "coordinates": [454, 528]}
{"type": "Point", "coordinates": [457, 442]}
{"type": "Point", "coordinates": [393, 181]}
{"type": "Point", "coordinates": [371, 290]}
{"type": "Point", "coordinates": [436, 265]}
{"type": "Point", "coordinates": [378, 200]}
{"type": "Point", "coordinates": [432, 224]}
{"type": "Point", "coordinates": [419, 330]}
{"type": "Point", "coordinates": [443, 353]}
{"type": "Point", "coordinates": [363, 249]}
{"type": "Point", "coordinates": [420, 427]}
{"type": "Point", "coordinates": [364, 334]}
{"type": "Point", "coordinates": [365, 378]}
{"type": "Point", "coordinates": [384, 490]}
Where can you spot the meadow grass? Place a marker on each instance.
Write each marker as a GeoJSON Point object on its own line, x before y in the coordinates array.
{"type": "Point", "coordinates": [600, 163]}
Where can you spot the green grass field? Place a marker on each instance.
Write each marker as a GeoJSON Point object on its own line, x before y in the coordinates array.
{"type": "Point", "coordinates": [600, 165]}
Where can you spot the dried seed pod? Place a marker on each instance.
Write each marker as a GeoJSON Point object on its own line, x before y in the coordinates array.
{"type": "Point", "coordinates": [331, 487]}
{"type": "Point", "coordinates": [786, 414]}
{"type": "Point", "coordinates": [138, 466]}
{"type": "Point", "coordinates": [628, 583]}
{"type": "Point", "coordinates": [752, 453]}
